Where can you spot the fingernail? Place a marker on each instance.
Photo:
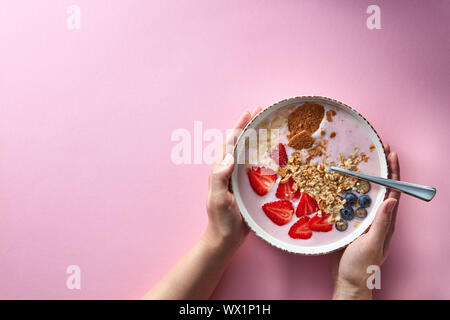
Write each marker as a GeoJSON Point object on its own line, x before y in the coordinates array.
{"type": "Point", "coordinates": [391, 206]}
{"type": "Point", "coordinates": [228, 160]}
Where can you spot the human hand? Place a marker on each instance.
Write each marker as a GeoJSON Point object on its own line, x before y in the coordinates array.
{"type": "Point", "coordinates": [196, 275]}
{"type": "Point", "coordinates": [371, 248]}
{"type": "Point", "coordinates": [225, 223]}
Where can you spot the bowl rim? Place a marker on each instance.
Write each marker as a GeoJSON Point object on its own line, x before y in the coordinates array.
{"type": "Point", "coordinates": [309, 250]}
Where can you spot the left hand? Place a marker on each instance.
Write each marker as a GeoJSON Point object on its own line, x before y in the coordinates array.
{"type": "Point", "coordinates": [225, 223]}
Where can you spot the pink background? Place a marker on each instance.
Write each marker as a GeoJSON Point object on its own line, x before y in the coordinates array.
{"type": "Point", "coordinates": [86, 118]}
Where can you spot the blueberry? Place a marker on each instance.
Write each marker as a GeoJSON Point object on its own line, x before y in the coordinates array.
{"type": "Point", "coordinates": [347, 213]}
{"type": "Point", "coordinates": [341, 225]}
{"type": "Point", "coordinates": [350, 199]}
{"type": "Point", "coordinates": [364, 201]}
{"type": "Point", "coordinates": [361, 212]}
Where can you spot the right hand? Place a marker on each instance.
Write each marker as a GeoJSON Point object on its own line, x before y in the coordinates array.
{"type": "Point", "coordinates": [350, 264]}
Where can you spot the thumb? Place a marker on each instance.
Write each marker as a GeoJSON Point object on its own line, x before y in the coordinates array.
{"type": "Point", "coordinates": [221, 173]}
{"type": "Point", "coordinates": [380, 227]}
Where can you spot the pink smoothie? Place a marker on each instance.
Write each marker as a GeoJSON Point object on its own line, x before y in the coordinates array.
{"type": "Point", "coordinates": [350, 133]}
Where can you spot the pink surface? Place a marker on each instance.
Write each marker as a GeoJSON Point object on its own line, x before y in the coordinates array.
{"type": "Point", "coordinates": [86, 118]}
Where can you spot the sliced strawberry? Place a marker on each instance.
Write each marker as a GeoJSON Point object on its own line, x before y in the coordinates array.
{"type": "Point", "coordinates": [286, 191]}
{"type": "Point", "coordinates": [300, 229]}
{"type": "Point", "coordinates": [279, 155]}
{"type": "Point", "coordinates": [261, 179]}
{"type": "Point", "coordinates": [321, 224]}
{"type": "Point", "coordinates": [306, 206]}
{"type": "Point", "coordinates": [280, 212]}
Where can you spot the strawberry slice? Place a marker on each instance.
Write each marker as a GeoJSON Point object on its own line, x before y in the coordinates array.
{"type": "Point", "coordinates": [300, 229]}
{"type": "Point", "coordinates": [261, 179]}
{"type": "Point", "coordinates": [306, 206]}
{"type": "Point", "coordinates": [286, 191]}
{"type": "Point", "coordinates": [321, 224]}
{"type": "Point", "coordinates": [280, 212]}
{"type": "Point", "coordinates": [279, 155]}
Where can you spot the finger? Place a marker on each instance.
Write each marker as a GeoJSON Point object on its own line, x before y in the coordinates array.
{"type": "Point", "coordinates": [387, 148]}
{"type": "Point", "coordinates": [387, 242]}
{"type": "Point", "coordinates": [255, 112]}
{"type": "Point", "coordinates": [394, 165]}
{"type": "Point", "coordinates": [221, 174]}
{"type": "Point", "coordinates": [380, 226]}
{"type": "Point", "coordinates": [394, 168]}
{"type": "Point", "coordinates": [235, 132]}
{"type": "Point", "coordinates": [242, 122]}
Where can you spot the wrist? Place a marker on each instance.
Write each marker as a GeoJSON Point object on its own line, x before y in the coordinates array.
{"type": "Point", "coordinates": [220, 244]}
{"type": "Point", "coordinates": [345, 290]}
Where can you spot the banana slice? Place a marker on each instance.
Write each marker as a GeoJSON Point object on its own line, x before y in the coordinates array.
{"type": "Point", "coordinates": [362, 186]}
{"type": "Point", "coordinates": [361, 213]}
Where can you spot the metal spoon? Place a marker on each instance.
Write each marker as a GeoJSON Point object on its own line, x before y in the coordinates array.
{"type": "Point", "coordinates": [415, 190]}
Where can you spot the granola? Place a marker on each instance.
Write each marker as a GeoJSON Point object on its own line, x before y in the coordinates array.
{"type": "Point", "coordinates": [321, 183]}
{"type": "Point", "coordinates": [307, 169]}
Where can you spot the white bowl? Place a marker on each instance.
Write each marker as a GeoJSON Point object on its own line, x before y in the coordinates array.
{"type": "Point", "coordinates": [320, 249]}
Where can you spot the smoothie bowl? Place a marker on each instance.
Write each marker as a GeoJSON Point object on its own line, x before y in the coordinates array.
{"type": "Point", "coordinates": [282, 182]}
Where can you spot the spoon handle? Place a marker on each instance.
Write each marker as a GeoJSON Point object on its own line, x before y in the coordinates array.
{"type": "Point", "coordinates": [415, 190]}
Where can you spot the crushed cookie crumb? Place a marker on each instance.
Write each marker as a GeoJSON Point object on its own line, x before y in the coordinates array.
{"type": "Point", "coordinates": [330, 114]}
{"type": "Point", "coordinates": [301, 140]}
{"type": "Point", "coordinates": [364, 157]}
{"type": "Point", "coordinates": [323, 132]}
{"type": "Point", "coordinates": [302, 123]}
{"type": "Point", "coordinates": [372, 148]}
{"type": "Point", "coordinates": [319, 149]}
{"type": "Point", "coordinates": [332, 135]}
{"type": "Point", "coordinates": [306, 117]}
